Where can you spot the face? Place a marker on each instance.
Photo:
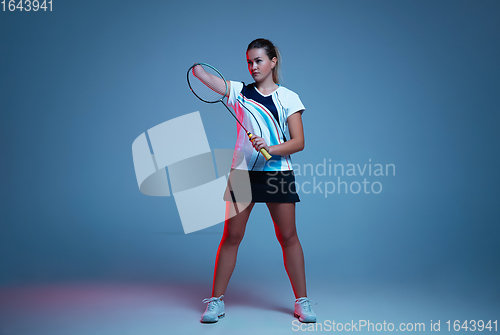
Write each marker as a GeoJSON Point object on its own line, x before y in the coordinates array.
{"type": "Point", "coordinates": [259, 64]}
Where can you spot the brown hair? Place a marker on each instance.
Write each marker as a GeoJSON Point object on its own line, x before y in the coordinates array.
{"type": "Point", "coordinates": [271, 52]}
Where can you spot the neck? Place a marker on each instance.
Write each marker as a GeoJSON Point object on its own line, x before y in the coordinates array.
{"type": "Point", "coordinates": [266, 85]}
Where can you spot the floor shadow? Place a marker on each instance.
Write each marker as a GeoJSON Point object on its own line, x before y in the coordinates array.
{"type": "Point", "coordinates": [191, 295]}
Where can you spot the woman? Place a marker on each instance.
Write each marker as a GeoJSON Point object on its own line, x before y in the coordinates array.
{"type": "Point", "coordinates": [265, 108]}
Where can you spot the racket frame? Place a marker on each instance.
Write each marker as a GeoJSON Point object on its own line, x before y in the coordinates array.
{"type": "Point", "coordinates": [263, 151]}
{"type": "Point", "coordinates": [218, 72]}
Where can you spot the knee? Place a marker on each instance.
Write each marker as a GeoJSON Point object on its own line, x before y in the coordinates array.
{"type": "Point", "coordinates": [290, 239]}
{"type": "Point", "coordinates": [233, 238]}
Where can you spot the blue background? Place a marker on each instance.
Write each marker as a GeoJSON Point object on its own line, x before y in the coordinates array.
{"type": "Point", "coordinates": [409, 83]}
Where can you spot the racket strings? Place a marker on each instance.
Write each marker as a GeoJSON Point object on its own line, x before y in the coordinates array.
{"type": "Point", "coordinates": [207, 83]}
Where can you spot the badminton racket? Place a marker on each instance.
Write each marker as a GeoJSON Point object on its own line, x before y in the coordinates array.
{"type": "Point", "coordinates": [209, 85]}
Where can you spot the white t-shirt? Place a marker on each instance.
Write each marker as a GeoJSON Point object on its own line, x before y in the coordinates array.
{"type": "Point", "coordinates": [267, 119]}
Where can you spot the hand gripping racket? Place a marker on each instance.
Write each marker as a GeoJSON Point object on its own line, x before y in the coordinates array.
{"type": "Point", "coordinates": [209, 85]}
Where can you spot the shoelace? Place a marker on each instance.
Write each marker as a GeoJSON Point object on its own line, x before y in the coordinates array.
{"type": "Point", "coordinates": [305, 302]}
{"type": "Point", "coordinates": [212, 302]}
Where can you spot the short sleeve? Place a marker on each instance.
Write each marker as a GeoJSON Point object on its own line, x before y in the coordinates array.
{"type": "Point", "coordinates": [235, 90]}
{"type": "Point", "coordinates": [294, 105]}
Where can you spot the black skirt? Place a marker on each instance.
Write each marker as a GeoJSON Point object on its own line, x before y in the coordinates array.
{"type": "Point", "coordinates": [261, 186]}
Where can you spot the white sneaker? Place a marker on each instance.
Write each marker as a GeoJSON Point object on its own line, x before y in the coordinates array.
{"type": "Point", "coordinates": [214, 311]}
{"type": "Point", "coordinates": [303, 310]}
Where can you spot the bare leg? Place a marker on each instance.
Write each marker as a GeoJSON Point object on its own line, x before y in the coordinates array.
{"type": "Point", "coordinates": [283, 215]}
{"type": "Point", "coordinates": [234, 230]}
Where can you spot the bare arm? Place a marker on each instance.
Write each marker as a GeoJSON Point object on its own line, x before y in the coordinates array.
{"type": "Point", "coordinates": [213, 82]}
{"type": "Point", "coordinates": [295, 144]}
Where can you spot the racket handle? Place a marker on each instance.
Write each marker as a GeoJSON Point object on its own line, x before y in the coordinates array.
{"type": "Point", "coordinates": [266, 155]}
{"type": "Point", "coordinates": [263, 151]}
